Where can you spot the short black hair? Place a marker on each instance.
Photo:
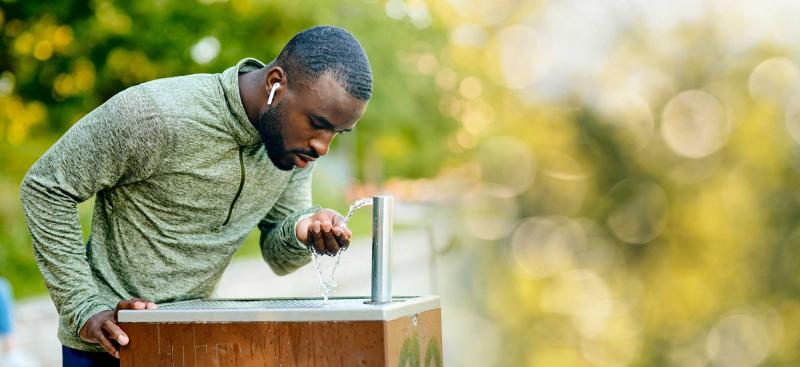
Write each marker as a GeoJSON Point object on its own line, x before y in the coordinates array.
{"type": "Point", "coordinates": [320, 49]}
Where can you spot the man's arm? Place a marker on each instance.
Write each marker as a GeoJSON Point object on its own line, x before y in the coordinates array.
{"type": "Point", "coordinates": [279, 245]}
{"type": "Point", "coordinates": [120, 142]}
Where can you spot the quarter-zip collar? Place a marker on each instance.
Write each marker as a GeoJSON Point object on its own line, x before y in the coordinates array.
{"type": "Point", "coordinates": [240, 126]}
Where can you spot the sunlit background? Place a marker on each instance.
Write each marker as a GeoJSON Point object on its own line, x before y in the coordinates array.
{"type": "Point", "coordinates": [603, 183]}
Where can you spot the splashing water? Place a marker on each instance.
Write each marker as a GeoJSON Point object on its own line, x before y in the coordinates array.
{"type": "Point", "coordinates": [326, 282]}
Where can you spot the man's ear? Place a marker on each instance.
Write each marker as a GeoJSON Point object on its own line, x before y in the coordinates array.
{"type": "Point", "coordinates": [275, 75]}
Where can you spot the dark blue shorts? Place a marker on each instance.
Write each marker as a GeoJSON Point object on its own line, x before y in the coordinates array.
{"type": "Point", "coordinates": [79, 358]}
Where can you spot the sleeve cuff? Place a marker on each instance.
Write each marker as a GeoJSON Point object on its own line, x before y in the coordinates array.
{"type": "Point", "coordinates": [87, 314]}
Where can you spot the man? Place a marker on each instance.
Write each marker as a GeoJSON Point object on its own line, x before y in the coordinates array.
{"type": "Point", "coordinates": [183, 168]}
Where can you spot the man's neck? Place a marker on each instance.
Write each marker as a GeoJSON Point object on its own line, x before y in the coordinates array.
{"type": "Point", "coordinates": [253, 93]}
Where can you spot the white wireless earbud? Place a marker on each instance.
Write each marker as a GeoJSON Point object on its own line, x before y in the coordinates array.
{"type": "Point", "coordinates": [272, 93]}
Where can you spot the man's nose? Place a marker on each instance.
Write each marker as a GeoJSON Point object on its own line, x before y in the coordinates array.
{"type": "Point", "coordinates": [322, 143]}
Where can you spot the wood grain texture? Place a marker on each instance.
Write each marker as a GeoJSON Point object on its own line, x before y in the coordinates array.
{"type": "Point", "coordinates": [286, 344]}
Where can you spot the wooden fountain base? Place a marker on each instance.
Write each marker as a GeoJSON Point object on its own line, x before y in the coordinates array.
{"type": "Point", "coordinates": [414, 339]}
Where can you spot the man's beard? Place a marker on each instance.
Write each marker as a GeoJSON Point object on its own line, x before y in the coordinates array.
{"type": "Point", "coordinates": [271, 128]}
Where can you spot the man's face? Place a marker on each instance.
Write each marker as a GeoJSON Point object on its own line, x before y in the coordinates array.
{"type": "Point", "coordinates": [302, 121]}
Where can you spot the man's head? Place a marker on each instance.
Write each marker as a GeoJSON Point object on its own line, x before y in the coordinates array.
{"type": "Point", "coordinates": [325, 83]}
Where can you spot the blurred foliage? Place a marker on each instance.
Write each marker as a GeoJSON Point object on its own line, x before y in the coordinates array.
{"type": "Point", "coordinates": [620, 176]}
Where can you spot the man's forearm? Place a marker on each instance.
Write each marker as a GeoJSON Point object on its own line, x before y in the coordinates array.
{"type": "Point", "coordinates": [52, 218]}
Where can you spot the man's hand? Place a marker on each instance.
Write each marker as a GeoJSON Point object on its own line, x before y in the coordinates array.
{"type": "Point", "coordinates": [102, 327]}
{"type": "Point", "coordinates": [325, 232]}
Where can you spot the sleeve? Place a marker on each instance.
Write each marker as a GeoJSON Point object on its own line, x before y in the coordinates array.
{"type": "Point", "coordinates": [117, 143]}
{"type": "Point", "coordinates": [279, 245]}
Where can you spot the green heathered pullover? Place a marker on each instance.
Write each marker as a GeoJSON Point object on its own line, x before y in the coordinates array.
{"type": "Point", "coordinates": [180, 176]}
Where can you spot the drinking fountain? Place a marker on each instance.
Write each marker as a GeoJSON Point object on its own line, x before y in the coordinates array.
{"type": "Point", "coordinates": [381, 330]}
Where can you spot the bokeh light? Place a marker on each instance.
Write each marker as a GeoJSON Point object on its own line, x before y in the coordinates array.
{"type": "Point", "coordinates": [584, 297]}
{"type": "Point", "coordinates": [694, 124]}
{"type": "Point", "coordinates": [205, 50]}
{"type": "Point", "coordinates": [774, 79]}
{"type": "Point", "coordinates": [522, 62]}
{"type": "Point", "coordinates": [487, 215]}
{"type": "Point", "coordinates": [545, 246]}
{"type": "Point", "coordinates": [619, 343]}
{"type": "Point", "coordinates": [738, 340]}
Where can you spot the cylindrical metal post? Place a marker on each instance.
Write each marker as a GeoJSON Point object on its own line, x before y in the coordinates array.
{"type": "Point", "coordinates": [382, 215]}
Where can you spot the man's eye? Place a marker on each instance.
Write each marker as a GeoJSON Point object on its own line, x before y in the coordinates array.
{"type": "Point", "coordinates": [315, 125]}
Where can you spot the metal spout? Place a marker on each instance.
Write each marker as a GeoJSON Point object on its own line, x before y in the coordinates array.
{"type": "Point", "coordinates": [382, 215]}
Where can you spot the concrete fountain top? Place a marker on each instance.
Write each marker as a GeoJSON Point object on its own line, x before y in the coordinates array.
{"type": "Point", "coordinates": [281, 309]}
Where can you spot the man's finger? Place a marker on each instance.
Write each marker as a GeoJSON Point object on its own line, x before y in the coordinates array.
{"type": "Point", "coordinates": [132, 304]}
{"type": "Point", "coordinates": [106, 344]}
{"type": "Point", "coordinates": [125, 304]}
{"type": "Point", "coordinates": [311, 242]}
{"type": "Point", "coordinates": [139, 302]}
{"type": "Point", "coordinates": [344, 243]}
{"type": "Point", "coordinates": [315, 226]}
{"type": "Point", "coordinates": [342, 232]}
{"type": "Point", "coordinates": [338, 220]}
{"type": "Point", "coordinates": [115, 332]}
{"type": "Point", "coordinates": [331, 245]}
{"type": "Point", "coordinates": [319, 242]}
{"type": "Point", "coordinates": [302, 230]}
{"type": "Point", "coordinates": [326, 226]}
